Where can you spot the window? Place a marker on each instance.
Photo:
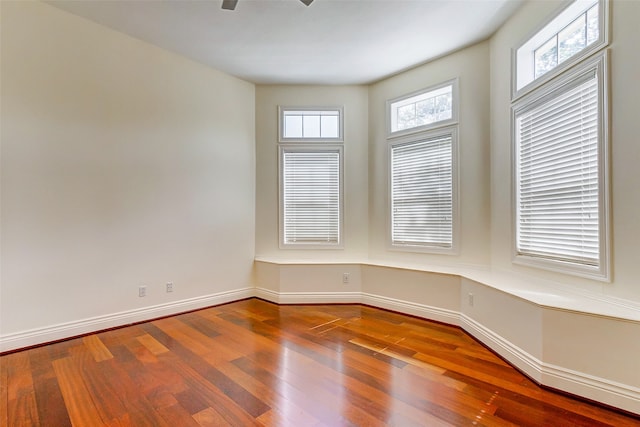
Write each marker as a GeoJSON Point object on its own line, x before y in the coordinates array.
{"type": "Point", "coordinates": [310, 194]}
{"type": "Point", "coordinates": [310, 124]}
{"type": "Point", "coordinates": [567, 42]}
{"type": "Point", "coordinates": [560, 134]}
{"type": "Point", "coordinates": [423, 169]}
{"type": "Point", "coordinates": [310, 164]}
{"type": "Point", "coordinates": [423, 191]}
{"type": "Point", "coordinates": [422, 110]}
{"type": "Point", "coordinates": [573, 34]}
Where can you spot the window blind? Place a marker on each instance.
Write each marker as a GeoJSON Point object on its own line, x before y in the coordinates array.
{"type": "Point", "coordinates": [558, 176]}
{"type": "Point", "coordinates": [311, 196]}
{"type": "Point", "coordinates": [422, 192]}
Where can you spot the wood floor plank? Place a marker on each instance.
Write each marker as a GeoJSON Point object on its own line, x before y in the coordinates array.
{"type": "Point", "coordinates": [298, 393]}
{"type": "Point", "coordinates": [111, 406]}
{"type": "Point", "coordinates": [217, 400]}
{"type": "Point", "coordinates": [209, 417]}
{"type": "Point", "coordinates": [226, 348]}
{"type": "Point", "coordinates": [4, 390]}
{"type": "Point", "coordinates": [23, 411]}
{"type": "Point", "coordinates": [513, 383]}
{"type": "Point", "coordinates": [208, 382]}
{"type": "Point", "coordinates": [377, 348]}
{"type": "Point", "coordinates": [139, 378]}
{"type": "Point", "coordinates": [80, 406]}
{"type": "Point", "coordinates": [435, 402]}
{"type": "Point", "coordinates": [254, 363]}
{"type": "Point", "coordinates": [20, 380]}
{"type": "Point", "coordinates": [116, 337]}
{"type": "Point", "coordinates": [325, 385]}
{"type": "Point", "coordinates": [152, 345]}
{"type": "Point", "coordinates": [191, 401]}
{"type": "Point", "coordinates": [532, 397]}
{"type": "Point", "coordinates": [134, 384]}
{"type": "Point", "coordinates": [282, 409]}
{"type": "Point", "coordinates": [200, 324]}
{"type": "Point", "coordinates": [50, 403]}
{"type": "Point", "coordinates": [95, 346]}
{"type": "Point", "coordinates": [21, 404]}
{"type": "Point", "coordinates": [195, 341]}
{"type": "Point", "coordinates": [177, 416]}
{"type": "Point", "coordinates": [353, 383]}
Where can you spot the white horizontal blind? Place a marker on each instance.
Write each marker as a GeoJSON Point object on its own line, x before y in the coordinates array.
{"type": "Point", "coordinates": [422, 192]}
{"type": "Point", "coordinates": [558, 176]}
{"type": "Point", "coordinates": [311, 196]}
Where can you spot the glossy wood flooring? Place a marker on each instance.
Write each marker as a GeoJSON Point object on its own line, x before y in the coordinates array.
{"type": "Point", "coordinates": [253, 363]}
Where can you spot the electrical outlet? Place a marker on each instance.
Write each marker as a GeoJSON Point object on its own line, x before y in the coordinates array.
{"type": "Point", "coordinates": [169, 286]}
{"type": "Point", "coordinates": [345, 277]}
{"type": "Point", "coordinates": [142, 291]}
{"type": "Point", "coordinates": [470, 299]}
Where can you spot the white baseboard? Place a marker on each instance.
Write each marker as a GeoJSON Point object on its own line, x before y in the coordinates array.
{"type": "Point", "coordinates": [522, 360]}
{"type": "Point", "coordinates": [414, 309]}
{"type": "Point", "coordinates": [309, 297]}
{"type": "Point", "coordinates": [602, 390]}
{"type": "Point", "coordinates": [443, 315]}
{"type": "Point", "coordinates": [70, 329]}
{"type": "Point", "coordinates": [267, 294]}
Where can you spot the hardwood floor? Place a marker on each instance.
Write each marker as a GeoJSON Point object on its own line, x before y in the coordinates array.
{"type": "Point", "coordinates": [253, 363]}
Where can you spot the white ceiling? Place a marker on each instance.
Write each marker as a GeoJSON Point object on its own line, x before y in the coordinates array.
{"type": "Point", "coordinates": [284, 41]}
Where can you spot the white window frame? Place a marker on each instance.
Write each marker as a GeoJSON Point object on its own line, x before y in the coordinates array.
{"type": "Point", "coordinates": [447, 122]}
{"type": "Point", "coordinates": [451, 130]}
{"type": "Point", "coordinates": [522, 59]}
{"type": "Point", "coordinates": [282, 110]}
{"type": "Point", "coordinates": [597, 64]}
{"type": "Point", "coordinates": [319, 149]}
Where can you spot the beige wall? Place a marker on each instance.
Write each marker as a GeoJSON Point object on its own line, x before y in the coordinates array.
{"type": "Point", "coordinates": [471, 67]}
{"type": "Point", "coordinates": [354, 100]}
{"type": "Point", "coordinates": [625, 127]}
{"type": "Point", "coordinates": [122, 165]}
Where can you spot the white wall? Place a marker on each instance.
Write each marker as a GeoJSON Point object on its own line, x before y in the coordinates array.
{"type": "Point", "coordinates": [122, 164]}
{"type": "Point", "coordinates": [625, 127]}
{"type": "Point", "coordinates": [354, 100]}
{"type": "Point", "coordinates": [471, 66]}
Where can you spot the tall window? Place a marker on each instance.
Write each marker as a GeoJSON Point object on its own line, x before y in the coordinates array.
{"type": "Point", "coordinates": [423, 207]}
{"type": "Point", "coordinates": [560, 160]}
{"type": "Point", "coordinates": [310, 178]}
{"type": "Point", "coordinates": [422, 169]}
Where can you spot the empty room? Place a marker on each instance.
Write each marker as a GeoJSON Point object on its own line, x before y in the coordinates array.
{"type": "Point", "coordinates": [319, 213]}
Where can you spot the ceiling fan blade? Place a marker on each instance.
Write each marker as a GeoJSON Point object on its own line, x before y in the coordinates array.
{"type": "Point", "coordinates": [230, 4]}
{"type": "Point", "coordinates": [307, 2]}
